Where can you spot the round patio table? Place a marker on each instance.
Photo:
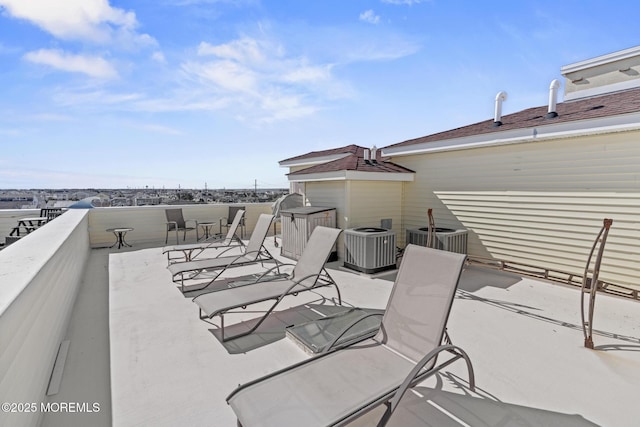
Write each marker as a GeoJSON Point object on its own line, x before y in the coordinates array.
{"type": "Point", "coordinates": [120, 233]}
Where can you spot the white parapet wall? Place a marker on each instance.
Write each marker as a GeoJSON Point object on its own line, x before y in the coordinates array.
{"type": "Point", "coordinates": [149, 222]}
{"type": "Point", "coordinates": [39, 279]}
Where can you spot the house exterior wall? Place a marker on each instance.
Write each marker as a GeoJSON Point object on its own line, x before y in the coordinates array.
{"type": "Point", "coordinates": [359, 203]}
{"type": "Point", "coordinates": [539, 203]}
{"type": "Point", "coordinates": [372, 201]}
{"type": "Point", "coordinates": [330, 194]}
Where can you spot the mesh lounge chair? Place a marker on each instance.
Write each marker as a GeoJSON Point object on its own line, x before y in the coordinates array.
{"type": "Point", "coordinates": [193, 250]}
{"type": "Point", "coordinates": [176, 222]}
{"type": "Point", "coordinates": [254, 252]}
{"type": "Point", "coordinates": [438, 408]}
{"type": "Point", "coordinates": [308, 274]}
{"type": "Point", "coordinates": [336, 387]}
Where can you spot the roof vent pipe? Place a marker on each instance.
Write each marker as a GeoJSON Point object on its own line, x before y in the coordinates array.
{"type": "Point", "coordinates": [553, 99]}
{"type": "Point", "coordinates": [500, 98]}
{"type": "Point", "coordinates": [374, 154]}
{"type": "Point", "coordinates": [367, 155]}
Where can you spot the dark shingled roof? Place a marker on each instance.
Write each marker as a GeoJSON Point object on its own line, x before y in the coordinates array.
{"type": "Point", "coordinates": [611, 104]}
{"type": "Point", "coordinates": [349, 149]}
{"type": "Point", "coordinates": [354, 162]}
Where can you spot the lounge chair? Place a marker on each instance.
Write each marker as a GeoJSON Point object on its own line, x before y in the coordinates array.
{"type": "Point", "coordinates": [308, 274]}
{"type": "Point", "coordinates": [336, 387]}
{"type": "Point", "coordinates": [429, 407]}
{"type": "Point", "coordinates": [191, 251]}
{"type": "Point", "coordinates": [254, 252]}
{"type": "Point", "coordinates": [176, 222]}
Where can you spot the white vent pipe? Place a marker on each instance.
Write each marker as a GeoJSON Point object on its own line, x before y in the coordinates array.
{"type": "Point", "coordinates": [374, 153]}
{"type": "Point", "coordinates": [366, 155]}
{"type": "Point", "coordinates": [500, 98]}
{"type": "Point", "coordinates": [553, 98]}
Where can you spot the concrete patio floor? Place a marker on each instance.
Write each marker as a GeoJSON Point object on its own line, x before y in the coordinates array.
{"type": "Point", "coordinates": [167, 367]}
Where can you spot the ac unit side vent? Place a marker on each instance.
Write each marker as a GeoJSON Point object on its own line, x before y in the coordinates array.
{"type": "Point", "coordinates": [445, 239]}
{"type": "Point", "coordinates": [370, 249]}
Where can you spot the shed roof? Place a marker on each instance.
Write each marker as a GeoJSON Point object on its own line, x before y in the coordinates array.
{"type": "Point", "coordinates": [312, 155]}
{"type": "Point", "coordinates": [355, 162]}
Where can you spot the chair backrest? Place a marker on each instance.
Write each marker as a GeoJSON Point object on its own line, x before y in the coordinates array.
{"type": "Point", "coordinates": [259, 233]}
{"type": "Point", "coordinates": [316, 253]}
{"type": "Point", "coordinates": [418, 308]}
{"type": "Point", "coordinates": [234, 225]}
{"type": "Point", "coordinates": [233, 211]}
{"type": "Point", "coordinates": [175, 215]}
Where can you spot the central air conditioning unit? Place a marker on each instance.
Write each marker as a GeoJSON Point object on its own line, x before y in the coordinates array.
{"type": "Point", "coordinates": [370, 249]}
{"type": "Point", "coordinates": [445, 239]}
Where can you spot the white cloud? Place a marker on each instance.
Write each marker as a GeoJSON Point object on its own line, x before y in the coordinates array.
{"type": "Point", "coordinates": [260, 81]}
{"type": "Point", "coordinates": [51, 117]}
{"type": "Point", "coordinates": [86, 20]}
{"type": "Point", "coordinates": [370, 17]}
{"type": "Point", "coordinates": [95, 99]}
{"type": "Point", "coordinates": [90, 65]}
{"type": "Point", "coordinates": [225, 75]}
{"type": "Point", "coordinates": [408, 2]}
{"type": "Point", "coordinates": [243, 50]}
{"type": "Point", "coordinates": [149, 127]}
{"type": "Point", "coordinates": [308, 74]}
{"type": "Point", "coordinates": [158, 57]}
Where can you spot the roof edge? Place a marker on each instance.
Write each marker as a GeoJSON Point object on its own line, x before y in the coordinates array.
{"type": "Point", "coordinates": [346, 175]}
{"type": "Point", "coordinates": [603, 125]}
{"type": "Point", "coordinates": [312, 160]}
{"type": "Point", "coordinates": [600, 60]}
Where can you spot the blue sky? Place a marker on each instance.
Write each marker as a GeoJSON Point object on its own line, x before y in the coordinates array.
{"type": "Point", "coordinates": [168, 93]}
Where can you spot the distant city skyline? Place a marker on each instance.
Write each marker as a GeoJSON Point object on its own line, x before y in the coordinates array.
{"type": "Point", "coordinates": [176, 93]}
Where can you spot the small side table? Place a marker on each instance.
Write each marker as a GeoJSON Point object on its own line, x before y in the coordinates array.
{"type": "Point", "coordinates": [206, 227]}
{"type": "Point", "coordinates": [119, 233]}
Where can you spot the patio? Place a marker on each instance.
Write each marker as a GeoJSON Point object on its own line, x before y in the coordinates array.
{"type": "Point", "coordinates": [168, 367]}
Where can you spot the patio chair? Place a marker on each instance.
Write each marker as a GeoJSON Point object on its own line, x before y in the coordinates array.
{"type": "Point", "coordinates": [336, 387]}
{"type": "Point", "coordinates": [191, 251]}
{"type": "Point", "coordinates": [308, 274]}
{"type": "Point", "coordinates": [254, 252]}
{"type": "Point", "coordinates": [227, 221]}
{"type": "Point", "coordinates": [176, 222]}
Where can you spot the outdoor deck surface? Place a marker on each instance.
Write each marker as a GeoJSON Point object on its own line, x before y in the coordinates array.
{"type": "Point", "coordinates": [168, 367]}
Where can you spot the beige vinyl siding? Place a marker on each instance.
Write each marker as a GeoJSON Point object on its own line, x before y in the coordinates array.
{"type": "Point", "coordinates": [330, 194]}
{"type": "Point", "coordinates": [373, 201]}
{"type": "Point", "coordinates": [359, 203]}
{"type": "Point", "coordinates": [540, 203]}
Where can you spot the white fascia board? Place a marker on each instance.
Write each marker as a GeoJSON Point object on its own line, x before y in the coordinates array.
{"type": "Point", "coordinates": [613, 124]}
{"type": "Point", "coordinates": [309, 161]}
{"type": "Point", "coordinates": [600, 60]}
{"type": "Point", "coordinates": [379, 176]}
{"type": "Point", "coordinates": [352, 175]}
